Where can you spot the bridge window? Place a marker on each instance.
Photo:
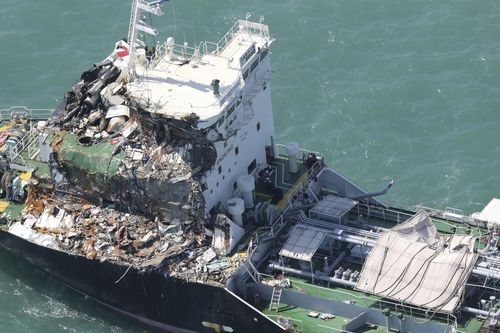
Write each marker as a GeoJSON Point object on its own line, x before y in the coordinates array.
{"type": "Point", "coordinates": [221, 121]}
{"type": "Point", "coordinates": [265, 51]}
{"type": "Point", "coordinates": [254, 65]}
{"type": "Point", "coordinates": [252, 166]}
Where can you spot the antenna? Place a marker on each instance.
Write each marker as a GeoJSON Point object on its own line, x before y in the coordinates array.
{"type": "Point", "coordinates": [136, 24]}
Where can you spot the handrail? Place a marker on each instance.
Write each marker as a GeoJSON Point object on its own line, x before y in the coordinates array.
{"type": "Point", "coordinates": [206, 47]}
{"type": "Point", "coordinates": [312, 172]}
{"type": "Point", "coordinates": [229, 92]}
{"type": "Point", "coordinates": [281, 147]}
{"type": "Point", "coordinates": [295, 322]}
{"type": "Point", "coordinates": [31, 114]}
{"type": "Point", "coordinates": [280, 221]}
{"type": "Point", "coordinates": [330, 329]}
{"type": "Point", "coordinates": [20, 146]}
{"type": "Point", "coordinates": [29, 140]}
{"type": "Point", "coordinates": [442, 213]}
{"type": "Point", "coordinates": [375, 303]}
{"type": "Point", "coordinates": [251, 28]}
{"type": "Point", "coordinates": [382, 213]}
{"type": "Point", "coordinates": [254, 240]}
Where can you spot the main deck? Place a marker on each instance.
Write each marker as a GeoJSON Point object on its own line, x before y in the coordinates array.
{"type": "Point", "coordinates": [303, 291]}
{"type": "Point", "coordinates": [19, 152]}
{"type": "Point", "coordinates": [303, 321]}
{"type": "Point", "coordinates": [309, 295]}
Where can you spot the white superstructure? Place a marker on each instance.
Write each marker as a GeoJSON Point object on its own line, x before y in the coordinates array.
{"type": "Point", "coordinates": [224, 85]}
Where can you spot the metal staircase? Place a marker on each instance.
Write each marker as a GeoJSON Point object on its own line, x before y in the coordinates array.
{"type": "Point", "coordinates": [275, 299]}
{"type": "Point", "coordinates": [28, 144]}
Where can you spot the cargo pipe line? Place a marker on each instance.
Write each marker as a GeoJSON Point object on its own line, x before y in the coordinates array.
{"type": "Point", "coordinates": [481, 312]}
{"type": "Point", "coordinates": [335, 280]}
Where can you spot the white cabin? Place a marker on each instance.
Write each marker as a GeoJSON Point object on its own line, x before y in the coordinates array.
{"type": "Point", "coordinates": [179, 81]}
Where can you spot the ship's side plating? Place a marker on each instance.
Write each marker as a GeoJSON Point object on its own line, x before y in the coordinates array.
{"type": "Point", "coordinates": [150, 296]}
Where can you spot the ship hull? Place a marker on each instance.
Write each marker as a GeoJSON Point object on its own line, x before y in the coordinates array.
{"type": "Point", "coordinates": [159, 301]}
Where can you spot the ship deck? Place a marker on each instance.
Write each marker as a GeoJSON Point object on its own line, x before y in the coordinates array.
{"type": "Point", "coordinates": [320, 290]}
{"type": "Point", "coordinates": [288, 183]}
{"type": "Point", "coordinates": [12, 122]}
{"type": "Point", "coordinates": [282, 179]}
{"type": "Point", "coordinates": [304, 323]}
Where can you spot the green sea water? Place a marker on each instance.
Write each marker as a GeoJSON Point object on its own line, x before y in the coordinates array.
{"type": "Point", "coordinates": [403, 90]}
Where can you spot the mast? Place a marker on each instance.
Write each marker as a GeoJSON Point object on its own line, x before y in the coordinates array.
{"type": "Point", "coordinates": [137, 24]}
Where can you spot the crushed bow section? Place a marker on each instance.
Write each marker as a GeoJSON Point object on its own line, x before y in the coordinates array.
{"type": "Point", "coordinates": [122, 184]}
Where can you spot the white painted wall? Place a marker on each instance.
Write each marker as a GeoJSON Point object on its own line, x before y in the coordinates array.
{"type": "Point", "coordinates": [250, 141]}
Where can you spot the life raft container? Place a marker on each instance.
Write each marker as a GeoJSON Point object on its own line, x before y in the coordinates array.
{"type": "Point", "coordinates": [121, 49]}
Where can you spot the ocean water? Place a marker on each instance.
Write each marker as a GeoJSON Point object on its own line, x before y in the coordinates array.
{"type": "Point", "coordinates": [386, 89]}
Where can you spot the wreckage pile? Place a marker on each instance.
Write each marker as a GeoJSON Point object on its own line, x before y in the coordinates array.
{"type": "Point", "coordinates": [104, 233]}
{"type": "Point", "coordinates": [153, 154]}
{"type": "Point", "coordinates": [123, 185]}
{"type": "Point", "coordinates": [155, 160]}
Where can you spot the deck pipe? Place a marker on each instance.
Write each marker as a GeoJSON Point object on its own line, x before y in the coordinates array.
{"type": "Point", "coordinates": [329, 226]}
{"type": "Point", "coordinates": [353, 284]}
{"type": "Point", "coordinates": [486, 273]}
{"type": "Point", "coordinates": [481, 312]}
{"type": "Point", "coordinates": [339, 258]}
{"type": "Point", "coordinates": [354, 239]}
{"type": "Point", "coordinates": [335, 280]}
{"type": "Point", "coordinates": [373, 194]}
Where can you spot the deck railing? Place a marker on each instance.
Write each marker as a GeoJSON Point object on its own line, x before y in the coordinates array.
{"type": "Point", "coordinates": [29, 142]}
{"type": "Point", "coordinates": [261, 234]}
{"type": "Point", "coordinates": [281, 150]}
{"type": "Point", "coordinates": [304, 182]}
{"type": "Point", "coordinates": [229, 92]}
{"type": "Point", "coordinates": [370, 301]}
{"type": "Point", "coordinates": [241, 26]}
{"type": "Point", "coordinates": [328, 329]}
{"type": "Point", "coordinates": [282, 220]}
{"type": "Point", "coordinates": [385, 214]}
{"type": "Point", "coordinates": [185, 52]}
{"type": "Point", "coordinates": [23, 111]}
{"type": "Point", "coordinates": [298, 325]}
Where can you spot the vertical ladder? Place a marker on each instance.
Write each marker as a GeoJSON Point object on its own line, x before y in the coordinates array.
{"type": "Point", "coordinates": [275, 299]}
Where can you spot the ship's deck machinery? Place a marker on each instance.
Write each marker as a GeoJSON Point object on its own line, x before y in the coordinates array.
{"type": "Point", "coordinates": [422, 270]}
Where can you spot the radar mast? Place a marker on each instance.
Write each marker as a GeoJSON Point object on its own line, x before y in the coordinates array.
{"type": "Point", "coordinates": [137, 24]}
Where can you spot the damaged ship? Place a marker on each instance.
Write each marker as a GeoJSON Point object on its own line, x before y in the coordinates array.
{"type": "Point", "coordinates": [157, 189]}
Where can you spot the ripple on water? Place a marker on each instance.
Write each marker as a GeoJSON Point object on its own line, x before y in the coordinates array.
{"type": "Point", "coordinates": [386, 91]}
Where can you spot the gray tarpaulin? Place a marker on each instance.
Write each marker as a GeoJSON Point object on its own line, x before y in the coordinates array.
{"type": "Point", "coordinates": [412, 263]}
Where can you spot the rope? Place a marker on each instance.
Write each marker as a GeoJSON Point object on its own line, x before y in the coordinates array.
{"type": "Point", "coordinates": [121, 277]}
